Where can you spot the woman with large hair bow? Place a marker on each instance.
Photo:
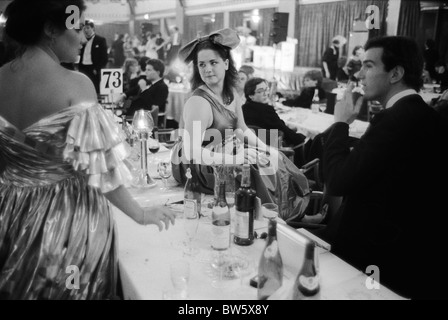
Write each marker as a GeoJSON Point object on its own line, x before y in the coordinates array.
{"type": "Point", "coordinates": [214, 129]}
{"type": "Point", "coordinates": [62, 162]}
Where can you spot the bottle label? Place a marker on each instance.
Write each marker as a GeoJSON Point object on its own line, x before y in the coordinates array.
{"type": "Point", "coordinates": [221, 237]}
{"type": "Point", "coordinates": [271, 251]}
{"type": "Point", "coordinates": [309, 283]}
{"type": "Point", "coordinates": [242, 224]}
{"type": "Point", "coordinates": [190, 207]}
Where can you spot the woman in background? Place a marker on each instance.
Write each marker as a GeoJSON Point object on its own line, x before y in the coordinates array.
{"type": "Point", "coordinates": [354, 64]}
{"type": "Point", "coordinates": [62, 164]}
{"type": "Point", "coordinates": [312, 81]}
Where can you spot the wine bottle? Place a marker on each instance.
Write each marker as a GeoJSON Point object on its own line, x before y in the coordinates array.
{"type": "Point", "coordinates": [270, 268]}
{"type": "Point", "coordinates": [315, 102]}
{"type": "Point", "coordinates": [244, 210]}
{"type": "Point", "coordinates": [221, 220]}
{"type": "Point", "coordinates": [307, 280]}
{"type": "Point", "coordinates": [192, 194]}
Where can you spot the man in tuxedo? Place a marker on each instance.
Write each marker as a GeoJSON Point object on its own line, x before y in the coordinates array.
{"type": "Point", "coordinates": [174, 45]}
{"type": "Point", "coordinates": [93, 56]}
{"type": "Point", "coordinates": [156, 93]}
{"type": "Point", "coordinates": [257, 112]}
{"type": "Point", "coordinates": [394, 180]}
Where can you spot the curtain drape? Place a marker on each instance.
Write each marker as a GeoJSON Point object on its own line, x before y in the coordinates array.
{"type": "Point", "coordinates": [265, 26]}
{"type": "Point", "coordinates": [317, 24]}
{"type": "Point", "coordinates": [236, 19]}
{"type": "Point", "coordinates": [409, 19]}
{"type": "Point", "coordinates": [201, 25]}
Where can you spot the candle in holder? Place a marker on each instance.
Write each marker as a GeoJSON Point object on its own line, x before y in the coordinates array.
{"type": "Point", "coordinates": [143, 125]}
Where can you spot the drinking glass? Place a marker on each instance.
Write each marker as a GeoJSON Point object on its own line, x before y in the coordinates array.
{"type": "Point", "coordinates": [191, 223]}
{"type": "Point", "coordinates": [220, 264]}
{"type": "Point", "coordinates": [241, 267]}
{"type": "Point", "coordinates": [164, 170]}
{"type": "Point", "coordinates": [269, 210]}
{"type": "Point", "coordinates": [180, 276]}
{"type": "Point", "coordinates": [153, 146]}
{"type": "Point", "coordinates": [322, 107]}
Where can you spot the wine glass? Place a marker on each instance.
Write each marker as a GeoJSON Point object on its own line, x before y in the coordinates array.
{"type": "Point", "coordinates": [143, 125]}
{"type": "Point", "coordinates": [220, 264]}
{"type": "Point", "coordinates": [191, 223]}
{"type": "Point", "coordinates": [180, 276]}
{"type": "Point", "coordinates": [322, 107]}
{"type": "Point", "coordinates": [153, 146]}
{"type": "Point", "coordinates": [164, 170]}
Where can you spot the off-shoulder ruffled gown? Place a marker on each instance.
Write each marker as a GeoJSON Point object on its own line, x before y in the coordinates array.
{"type": "Point", "coordinates": [54, 218]}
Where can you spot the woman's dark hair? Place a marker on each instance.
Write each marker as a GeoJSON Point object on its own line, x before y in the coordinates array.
{"type": "Point", "coordinates": [26, 19]}
{"type": "Point", "coordinates": [404, 52]}
{"type": "Point", "coordinates": [231, 76]}
{"type": "Point", "coordinates": [315, 75]}
{"type": "Point", "coordinates": [142, 62]}
{"type": "Point", "coordinates": [251, 85]}
{"type": "Point", "coordinates": [356, 48]}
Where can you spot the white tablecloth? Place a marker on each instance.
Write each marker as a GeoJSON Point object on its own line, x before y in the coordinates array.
{"type": "Point", "coordinates": [177, 96]}
{"type": "Point", "coordinates": [145, 255]}
{"type": "Point", "coordinates": [311, 124]}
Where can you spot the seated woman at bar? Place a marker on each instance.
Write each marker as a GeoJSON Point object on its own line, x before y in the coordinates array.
{"type": "Point", "coordinates": [311, 80]}
{"type": "Point", "coordinates": [62, 164]}
{"type": "Point", "coordinates": [214, 128]}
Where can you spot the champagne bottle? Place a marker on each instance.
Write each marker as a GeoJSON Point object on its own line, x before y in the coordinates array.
{"type": "Point", "coordinates": [307, 280]}
{"type": "Point", "coordinates": [270, 268]}
{"type": "Point", "coordinates": [192, 194]}
{"type": "Point", "coordinates": [244, 210]}
{"type": "Point", "coordinates": [221, 220]}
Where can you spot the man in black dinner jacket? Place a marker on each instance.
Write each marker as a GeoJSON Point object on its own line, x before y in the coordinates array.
{"type": "Point", "coordinates": [156, 94]}
{"type": "Point", "coordinates": [93, 56]}
{"type": "Point", "coordinates": [258, 112]}
{"type": "Point", "coordinates": [394, 180]}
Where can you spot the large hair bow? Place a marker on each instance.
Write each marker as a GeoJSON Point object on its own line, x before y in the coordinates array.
{"type": "Point", "coordinates": [225, 37]}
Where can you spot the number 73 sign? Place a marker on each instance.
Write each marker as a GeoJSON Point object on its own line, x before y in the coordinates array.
{"type": "Point", "coordinates": [111, 81]}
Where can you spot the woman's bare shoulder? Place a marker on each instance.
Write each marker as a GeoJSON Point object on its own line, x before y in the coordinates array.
{"type": "Point", "coordinates": [81, 87]}
{"type": "Point", "coordinates": [198, 109]}
{"type": "Point", "coordinates": [197, 105]}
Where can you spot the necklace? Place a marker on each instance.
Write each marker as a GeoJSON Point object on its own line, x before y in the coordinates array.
{"type": "Point", "coordinates": [226, 101]}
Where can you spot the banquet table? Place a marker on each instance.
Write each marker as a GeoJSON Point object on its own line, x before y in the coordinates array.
{"type": "Point", "coordinates": [145, 255]}
{"type": "Point", "coordinates": [311, 124]}
{"type": "Point", "coordinates": [427, 92]}
{"type": "Point", "coordinates": [177, 96]}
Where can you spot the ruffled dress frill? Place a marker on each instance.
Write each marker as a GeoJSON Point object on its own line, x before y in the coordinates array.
{"type": "Point", "coordinates": [57, 235]}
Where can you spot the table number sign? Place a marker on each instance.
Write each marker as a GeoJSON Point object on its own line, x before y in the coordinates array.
{"type": "Point", "coordinates": [111, 81]}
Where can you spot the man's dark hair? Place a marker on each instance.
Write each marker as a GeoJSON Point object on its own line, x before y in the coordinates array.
{"type": "Point", "coordinates": [251, 84]}
{"type": "Point", "coordinates": [401, 51]}
{"type": "Point", "coordinates": [90, 24]}
{"type": "Point", "coordinates": [157, 65]}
